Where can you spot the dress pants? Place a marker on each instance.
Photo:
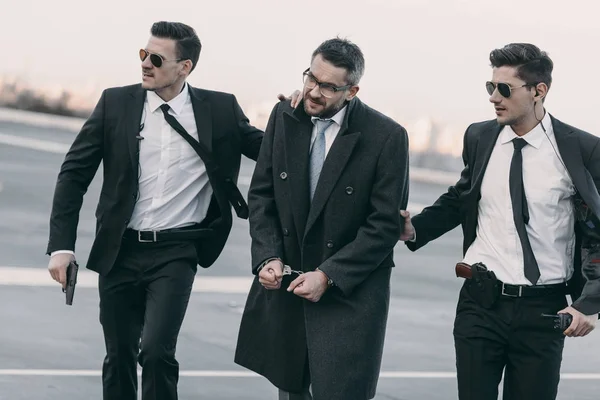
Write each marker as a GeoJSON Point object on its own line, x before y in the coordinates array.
{"type": "Point", "coordinates": [143, 301]}
{"type": "Point", "coordinates": [511, 337]}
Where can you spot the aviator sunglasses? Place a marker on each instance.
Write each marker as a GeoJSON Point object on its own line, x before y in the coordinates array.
{"type": "Point", "coordinates": [156, 59]}
{"type": "Point", "coordinates": [503, 88]}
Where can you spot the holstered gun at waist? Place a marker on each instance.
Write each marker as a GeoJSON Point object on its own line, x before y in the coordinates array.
{"type": "Point", "coordinates": [464, 270]}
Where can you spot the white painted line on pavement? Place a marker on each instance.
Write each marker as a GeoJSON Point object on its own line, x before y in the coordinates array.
{"type": "Point", "coordinates": [416, 173]}
{"type": "Point", "coordinates": [34, 144]}
{"type": "Point", "coordinates": [41, 119]}
{"type": "Point", "coordinates": [19, 276]}
{"type": "Point", "coordinates": [248, 374]}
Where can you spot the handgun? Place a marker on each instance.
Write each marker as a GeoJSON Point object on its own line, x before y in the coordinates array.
{"type": "Point", "coordinates": [72, 270]}
{"type": "Point", "coordinates": [464, 270]}
{"type": "Point", "coordinates": [561, 321]}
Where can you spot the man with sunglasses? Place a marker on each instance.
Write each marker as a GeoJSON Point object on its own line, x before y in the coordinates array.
{"type": "Point", "coordinates": [171, 155]}
{"type": "Point", "coordinates": [324, 199]}
{"type": "Point", "coordinates": [518, 199]}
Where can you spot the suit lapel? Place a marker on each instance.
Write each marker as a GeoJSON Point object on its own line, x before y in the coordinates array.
{"type": "Point", "coordinates": [203, 117]}
{"type": "Point", "coordinates": [568, 147]}
{"type": "Point", "coordinates": [134, 106]}
{"type": "Point", "coordinates": [487, 140]}
{"type": "Point", "coordinates": [297, 129]}
{"type": "Point", "coordinates": [334, 165]}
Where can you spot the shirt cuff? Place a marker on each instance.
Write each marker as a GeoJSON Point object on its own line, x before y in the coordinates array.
{"type": "Point", "coordinates": [414, 239]}
{"type": "Point", "coordinates": [62, 252]}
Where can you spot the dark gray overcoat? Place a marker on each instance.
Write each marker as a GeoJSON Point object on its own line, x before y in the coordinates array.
{"type": "Point", "coordinates": [349, 232]}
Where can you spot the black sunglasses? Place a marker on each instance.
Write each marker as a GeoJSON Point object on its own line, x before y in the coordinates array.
{"type": "Point", "coordinates": [156, 59]}
{"type": "Point", "coordinates": [503, 88]}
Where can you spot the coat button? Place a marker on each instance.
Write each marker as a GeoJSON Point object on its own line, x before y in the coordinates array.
{"type": "Point", "coordinates": [283, 175]}
{"type": "Point", "coordinates": [286, 232]}
{"type": "Point", "coordinates": [349, 190]}
{"type": "Point", "coordinates": [330, 244]}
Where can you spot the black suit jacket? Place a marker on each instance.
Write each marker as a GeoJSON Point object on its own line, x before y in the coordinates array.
{"type": "Point", "coordinates": [109, 135]}
{"type": "Point", "coordinates": [580, 152]}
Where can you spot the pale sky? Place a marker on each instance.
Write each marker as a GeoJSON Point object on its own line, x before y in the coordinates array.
{"type": "Point", "coordinates": [423, 57]}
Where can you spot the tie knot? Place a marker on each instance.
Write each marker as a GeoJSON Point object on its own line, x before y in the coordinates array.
{"type": "Point", "coordinates": [165, 108]}
{"type": "Point", "coordinates": [323, 124]}
{"type": "Point", "coordinates": [519, 143]}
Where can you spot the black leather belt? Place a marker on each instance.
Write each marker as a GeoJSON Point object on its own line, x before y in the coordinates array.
{"type": "Point", "coordinates": [176, 234]}
{"type": "Point", "coordinates": [509, 290]}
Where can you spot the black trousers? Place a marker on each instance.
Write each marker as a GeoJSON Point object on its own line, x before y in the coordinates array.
{"type": "Point", "coordinates": [510, 337]}
{"type": "Point", "coordinates": [143, 301]}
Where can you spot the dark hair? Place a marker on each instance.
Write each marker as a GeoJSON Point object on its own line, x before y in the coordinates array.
{"type": "Point", "coordinates": [533, 65]}
{"type": "Point", "coordinates": [188, 44]}
{"type": "Point", "coordinates": [343, 54]}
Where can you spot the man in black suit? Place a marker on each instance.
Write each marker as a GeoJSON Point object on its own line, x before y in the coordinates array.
{"type": "Point", "coordinates": [526, 176]}
{"type": "Point", "coordinates": [164, 208]}
{"type": "Point", "coordinates": [324, 199]}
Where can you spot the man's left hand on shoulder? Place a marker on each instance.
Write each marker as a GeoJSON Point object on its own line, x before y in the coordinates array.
{"type": "Point", "coordinates": [582, 324]}
{"type": "Point", "coordinates": [310, 285]}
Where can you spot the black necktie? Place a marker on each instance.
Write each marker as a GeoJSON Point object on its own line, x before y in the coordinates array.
{"type": "Point", "coordinates": [521, 211]}
{"type": "Point", "coordinates": [212, 168]}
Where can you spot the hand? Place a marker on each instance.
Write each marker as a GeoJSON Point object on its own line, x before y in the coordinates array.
{"type": "Point", "coordinates": [57, 266]}
{"type": "Point", "coordinates": [270, 275]}
{"type": "Point", "coordinates": [310, 285]}
{"type": "Point", "coordinates": [582, 324]}
{"type": "Point", "coordinates": [409, 229]}
{"type": "Point", "coordinates": [295, 98]}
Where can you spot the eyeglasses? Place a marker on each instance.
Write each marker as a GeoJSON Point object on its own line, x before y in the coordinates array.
{"type": "Point", "coordinates": [326, 89]}
{"type": "Point", "coordinates": [156, 59]}
{"type": "Point", "coordinates": [503, 88]}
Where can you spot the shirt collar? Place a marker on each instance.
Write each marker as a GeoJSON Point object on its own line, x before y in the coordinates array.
{"type": "Point", "coordinates": [534, 137]}
{"type": "Point", "coordinates": [338, 118]}
{"type": "Point", "coordinates": [176, 103]}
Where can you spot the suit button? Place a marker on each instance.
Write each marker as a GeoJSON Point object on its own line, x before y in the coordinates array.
{"type": "Point", "coordinates": [283, 175]}
{"type": "Point", "coordinates": [330, 244]}
{"type": "Point", "coordinates": [349, 190]}
{"type": "Point", "coordinates": [286, 232]}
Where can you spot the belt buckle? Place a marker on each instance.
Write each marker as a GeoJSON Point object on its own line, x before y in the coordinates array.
{"type": "Point", "coordinates": [520, 294]}
{"type": "Point", "coordinates": [146, 240]}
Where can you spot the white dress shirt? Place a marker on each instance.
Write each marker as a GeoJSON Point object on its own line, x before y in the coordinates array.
{"type": "Point", "coordinates": [331, 132]}
{"type": "Point", "coordinates": [174, 190]}
{"type": "Point", "coordinates": [549, 190]}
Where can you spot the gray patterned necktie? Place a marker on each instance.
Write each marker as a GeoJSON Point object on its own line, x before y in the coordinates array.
{"type": "Point", "coordinates": [317, 154]}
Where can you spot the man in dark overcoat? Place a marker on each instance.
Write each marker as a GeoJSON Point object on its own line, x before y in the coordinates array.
{"type": "Point", "coordinates": [324, 220]}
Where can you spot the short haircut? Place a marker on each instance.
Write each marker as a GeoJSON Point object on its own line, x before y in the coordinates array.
{"type": "Point", "coordinates": [188, 44]}
{"type": "Point", "coordinates": [342, 53]}
{"type": "Point", "coordinates": [532, 64]}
